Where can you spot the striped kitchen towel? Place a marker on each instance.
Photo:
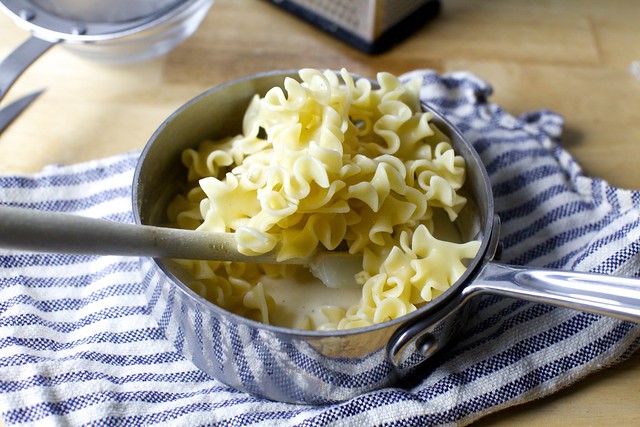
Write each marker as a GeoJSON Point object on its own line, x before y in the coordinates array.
{"type": "Point", "coordinates": [78, 345]}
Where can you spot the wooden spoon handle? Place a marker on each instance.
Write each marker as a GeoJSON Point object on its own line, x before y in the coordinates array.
{"type": "Point", "coordinates": [39, 231]}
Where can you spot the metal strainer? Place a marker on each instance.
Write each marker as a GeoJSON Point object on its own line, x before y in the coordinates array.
{"type": "Point", "coordinates": [113, 31]}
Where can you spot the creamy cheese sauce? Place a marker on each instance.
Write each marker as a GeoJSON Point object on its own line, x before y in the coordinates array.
{"type": "Point", "coordinates": [303, 297]}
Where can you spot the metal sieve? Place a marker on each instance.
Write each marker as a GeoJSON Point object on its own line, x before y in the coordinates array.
{"type": "Point", "coordinates": [105, 30]}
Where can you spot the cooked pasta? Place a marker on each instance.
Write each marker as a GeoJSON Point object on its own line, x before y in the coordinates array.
{"type": "Point", "coordinates": [329, 161]}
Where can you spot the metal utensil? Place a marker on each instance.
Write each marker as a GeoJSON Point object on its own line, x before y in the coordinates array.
{"type": "Point", "coordinates": [10, 112]}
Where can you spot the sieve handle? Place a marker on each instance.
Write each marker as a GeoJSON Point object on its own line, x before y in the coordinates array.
{"type": "Point", "coordinates": [13, 65]}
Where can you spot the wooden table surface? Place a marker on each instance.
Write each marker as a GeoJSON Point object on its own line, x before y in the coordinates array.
{"type": "Point", "coordinates": [570, 56]}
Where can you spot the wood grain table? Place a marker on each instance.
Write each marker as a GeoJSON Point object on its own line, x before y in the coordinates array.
{"type": "Point", "coordinates": [569, 56]}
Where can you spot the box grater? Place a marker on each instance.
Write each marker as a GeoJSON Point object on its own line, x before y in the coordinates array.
{"type": "Point", "coordinates": [371, 26]}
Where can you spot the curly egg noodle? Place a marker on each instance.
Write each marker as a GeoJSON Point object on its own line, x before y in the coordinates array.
{"type": "Point", "coordinates": [331, 161]}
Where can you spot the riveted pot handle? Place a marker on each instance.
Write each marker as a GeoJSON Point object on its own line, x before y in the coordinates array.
{"type": "Point", "coordinates": [613, 296]}
{"type": "Point", "coordinates": [426, 335]}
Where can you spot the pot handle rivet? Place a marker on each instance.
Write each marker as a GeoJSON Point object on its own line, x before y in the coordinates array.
{"type": "Point", "coordinates": [426, 344]}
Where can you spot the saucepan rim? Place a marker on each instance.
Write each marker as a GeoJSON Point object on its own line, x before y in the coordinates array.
{"type": "Point", "coordinates": [487, 225]}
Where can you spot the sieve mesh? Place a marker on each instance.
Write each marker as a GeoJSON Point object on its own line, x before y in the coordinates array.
{"type": "Point", "coordinates": [102, 10]}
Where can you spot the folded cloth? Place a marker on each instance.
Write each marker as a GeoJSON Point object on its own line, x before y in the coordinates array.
{"type": "Point", "coordinates": [79, 347]}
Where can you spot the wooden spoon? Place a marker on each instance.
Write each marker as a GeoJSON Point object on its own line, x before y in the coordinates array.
{"type": "Point", "coordinates": [54, 232]}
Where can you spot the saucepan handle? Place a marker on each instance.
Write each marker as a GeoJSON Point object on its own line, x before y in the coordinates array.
{"type": "Point", "coordinates": [612, 296]}
{"type": "Point", "coordinates": [20, 59]}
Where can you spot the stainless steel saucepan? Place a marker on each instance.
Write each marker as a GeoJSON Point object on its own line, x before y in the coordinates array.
{"type": "Point", "coordinates": [328, 366]}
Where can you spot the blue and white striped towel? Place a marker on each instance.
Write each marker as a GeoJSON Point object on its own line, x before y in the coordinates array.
{"type": "Point", "coordinates": [79, 347]}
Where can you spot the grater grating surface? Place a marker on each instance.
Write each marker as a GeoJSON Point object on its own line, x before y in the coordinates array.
{"type": "Point", "coordinates": [369, 25]}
